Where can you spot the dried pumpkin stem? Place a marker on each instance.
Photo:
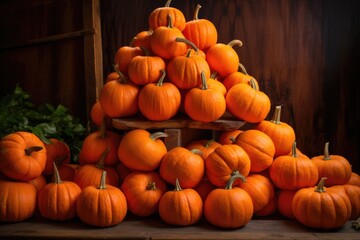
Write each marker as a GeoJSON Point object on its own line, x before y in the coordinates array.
{"type": "Point", "coordinates": [203, 80]}
{"type": "Point", "coordinates": [326, 152]}
{"type": "Point", "coordinates": [234, 176]}
{"type": "Point", "coordinates": [29, 150]}
{"type": "Point", "coordinates": [102, 130]}
{"type": "Point", "coordinates": [252, 84]}
{"type": "Point", "coordinates": [57, 179]}
{"type": "Point", "coordinates": [293, 150]}
{"type": "Point", "coordinates": [157, 135]}
{"type": "Point", "coordinates": [145, 50]}
{"type": "Point", "coordinates": [196, 13]}
{"type": "Point", "coordinates": [161, 80]}
{"type": "Point", "coordinates": [103, 180]}
{"type": "Point", "coordinates": [188, 42]}
{"type": "Point", "coordinates": [177, 185]}
{"type": "Point", "coordinates": [167, 4]}
{"type": "Point", "coordinates": [101, 163]}
{"type": "Point", "coordinates": [196, 151]}
{"type": "Point", "coordinates": [122, 79]}
{"type": "Point", "coordinates": [170, 23]}
{"type": "Point", "coordinates": [235, 42]}
{"type": "Point", "coordinates": [320, 187]}
{"type": "Point", "coordinates": [208, 143]}
{"type": "Point", "coordinates": [276, 116]}
{"type": "Point", "coordinates": [151, 186]}
{"type": "Point", "coordinates": [243, 69]}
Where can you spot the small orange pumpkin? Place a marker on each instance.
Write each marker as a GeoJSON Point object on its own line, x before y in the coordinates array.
{"type": "Point", "coordinates": [205, 146]}
{"type": "Point", "coordinates": [159, 17]}
{"type": "Point", "coordinates": [181, 207]}
{"type": "Point", "coordinates": [285, 198]}
{"type": "Point", "coordinates": [238, 77]}
{"type": "Point", "coordinates": [229, 207]}
{"type": "Point", "coordinates": [228, 137]}
{"type": "Point", "coordinates": [57, 152]}
{"type": "Point", "coordinates": [123, 57]}
{"type": "Point", "coordinates": [22, 156]}
{"type": "Point", "coordinates": [321, 207]}
{"type": "Point", "coordinates": [142, 39]}
{"type": "Point", "coordinates": [335, 168]}
{"type": "Point", "coordinates": [354, 179]}
{"type": "Point", "coordinates": [102, 205]}
{"type": "Point", "coordinates": [353, 192]}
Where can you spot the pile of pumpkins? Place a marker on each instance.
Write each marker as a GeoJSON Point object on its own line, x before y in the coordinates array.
{"type": "Point", "coordinates": [228, 181]}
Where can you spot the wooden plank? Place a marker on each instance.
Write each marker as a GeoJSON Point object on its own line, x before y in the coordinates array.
{"type": "Point", "coordinates": [92, 52]}
{"type": "Point", "coordinates": [154, 228]}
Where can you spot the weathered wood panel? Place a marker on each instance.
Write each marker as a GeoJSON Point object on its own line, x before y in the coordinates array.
{"type": "Point", "coordinates": [303, 53]}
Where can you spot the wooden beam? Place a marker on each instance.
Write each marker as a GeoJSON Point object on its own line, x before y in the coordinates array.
{"type": "Point", "coordinates": [92, 52]}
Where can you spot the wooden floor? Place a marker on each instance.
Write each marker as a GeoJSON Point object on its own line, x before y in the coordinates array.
{"type": "Point", "coordinates": [154, 228]}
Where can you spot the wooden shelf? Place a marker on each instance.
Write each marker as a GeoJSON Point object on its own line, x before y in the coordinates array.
{"type": "Point", "coordinates": [225, 123]}
{"type": "Point", "coordinates": [153, 228]}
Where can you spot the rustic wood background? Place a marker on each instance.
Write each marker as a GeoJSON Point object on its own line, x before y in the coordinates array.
{"type": "Point", "coordinates": [304, 54]}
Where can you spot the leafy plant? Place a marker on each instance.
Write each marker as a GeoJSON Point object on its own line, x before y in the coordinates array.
{"type": "Point", "coordinates": [18, 113]}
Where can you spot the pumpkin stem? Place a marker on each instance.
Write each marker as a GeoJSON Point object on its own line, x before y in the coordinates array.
{"type": "Point", "coordinates": [196, 13]}
{"type": "Point", "coordinates": [103, 180]}
{"type": "Point", "coordinates": [320, 187]}
{"type": "Point", "coordinates": [208, 143]}
{"type": "Point", "coordinates": [170, 23]}
{"type": "Point", "coordinates": [57, 179]}
{"type": "Point", "coordinates": [234, 176]}
{"type": "Point", "coordinates": [122, 79]}
{"type": "Point", "coordinates": [293, 150]}
{"type": "Point", "coordinates": [101, 163]}
{"type": "Point", "coordinates": [252, 84]}
{"type": "Point", "coordinates": [145, 50]}
{"type": "Point", "coordinates": [203, 80]}
{"type": "Point", "coordinates": [188, 42]}
{"type": "Point", "coordinates": [29, 150]}
{"type": "Point", "coordinates": [196, 151]}
{"type": "Point", "coordinates": [161, 80]}
{"type": "Point", "coordinates": [151, 186]}
{"type": "Point", "coordinates": [157, 135]}
{"type": "Point", "coordinates": [326, 152]}
{"type": "Point", "coordinates": [235, 42]}
{"type": "Point", "coordinates": [177, 185]}
{"type": "Point", "coordinates": [232, 139]}
{"type": "Point", "coordinates": [276, 116]}
{"type": "Point", "coordinates": [168, 2]}
{"type": "Point", "coordinates": [214, 75]}
{"type": "Point", "coordinates": [102, 130]}
{"type": "Point", "coordinates": [60, 160]}
{"type": "Point", "coordinates": [243, 69]}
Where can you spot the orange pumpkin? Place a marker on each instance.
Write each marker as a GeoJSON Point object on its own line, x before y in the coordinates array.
{"type": "Point", "coordinates": [102, 205]}
{"type": "Point", "coordinates": [281, 133]}
{"type": "Point", "coordinates": [143, 191]}
{"type": "Point", "coordinates": [204, 188]}
{"type": "Point", "coordinates": [57, 152]}
{"type": "Point", "coordinates": [38, 182]}
{"type": "Point", "coordinates": [354, 179]}
{"type": "Point", "coordinates": [141, 150]}
{"type": "Point", "coordinates": [57, 200]}
{"type": "Point", "coordinates": [259, 147]}
{"type": "Point", "coordinates": [185, 71]}
{"type": "Point", "coordinates": [248, 104]}
{"type": "Point", "coordinates": [335, 168]}
{"type": "Point", "coordinates": [146, 68]}
{"type": "Point", "coordinates": [163, 41]}
{"type": "Point", "coordinates": [17, 201]}
{"type": "Point", "coordinates": [229, 136]}
{"type": "Point", "coordinates": [182, 164]}
{"type": "Point", "coordinates": [204, 104]}
{"type": "Point", "coordinates": [269, 209]}
{"type": "Point", "coordinates": [321, 207]}
{"type": "Point", "coordinates": [260, 189]}
{"type": "Point", "coordinates": [119, 98]}
{"type": "Point", "coordinates": [181, 207]}
{"type": "Point", "coordinates": [238, 77]}
{"type": "Point", "coordinates": [22, 156]}
{"type": "Point", "coordinates": [159, 17]}
{"type": "Point", "coordinates": [96, 143]}
{"type": "Point", "coordinates": [90, 174]}
{"type": "Point", "coordinates": [222, 58]}
{"type": "Point", "coordinates": [293, 172]}
{"type": "Point", "coordinates": [97, 114]}
{"type": "Point", "coordinates": [160, 101]}
{"type": "Point", "coordinates": [205, 146]}
{"type": "Point", "coordinates": [142, 39]}
{"type": "Point", "coordinates": [229, 207]}
{"type": "Point", "coordinates": [67, 172]}
{"type": "Point", "coordinates": [226, 161]}
{"type": "Point", "coordinates": [353, 192]}
{"type": "Point", "coordinates": [123, 57]}
{"type": "Point", "coordinates": [213, 82]}
{"type": "Point", "coordinates": [201, 32]}
{"type": "Point", "coordinates": [285, 198]}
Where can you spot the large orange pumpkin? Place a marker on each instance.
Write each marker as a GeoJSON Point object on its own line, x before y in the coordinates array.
{"type": "Point", "coordinates": [335, 168]}
{"type": "Point", "coordinates": [141, 150]}
{"type": "Point", "coordinates": [229, 207]}
{"type": "Point", "coordinates": [22, 156]}
{"type": "Point", "coordinates": [321, 207]}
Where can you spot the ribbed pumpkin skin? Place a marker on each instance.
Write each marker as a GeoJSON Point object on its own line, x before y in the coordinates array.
{"type": "Point", "coordinates": [101, 207]}
{"type": "Point", "coordinates": [354, 179]}
{"type": "Point", "coordinates": [184, 165]}
{"type": "Point", "coordinates": [205, 146]}
{"type": "Point", "coordinates": [223, 59]}
{"type": "Point", "coordinates": [159, 17]}
{"type": "Point", "coordinates": [259, 147]}
{"type": "Point", "coordinates": [17, 201]}
{"type": "Point", "coordinates": [143, 191]}
{"type": "Point", "coordinates": [15, 163]}
{"type": "Point", "coordinates": [238, 77]}
{"type": "Point", "coordinates": [353, 192]}
{"type": "Point", "coordinates": [145, 69]}
{"type": "Point", "coordinates": [57, 201]}
{"type": "Point", "coordinates": [247, 104]}
{"type": "Point", "coordinates": [124, 55]}
{"type": "Point", "coordinates": [326, 210]}
{"type": "Point", "coordinates": [291, 173]}
{"type": "Point", "coordinates": [181, 207]}
{"type": "Point", "coordinates": [226, 159]}
{"type": "Point", "coordinates": [57, 151]}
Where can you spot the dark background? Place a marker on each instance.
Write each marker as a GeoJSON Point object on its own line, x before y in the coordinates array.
{"type": "Point", "coordinates": [304, 54]}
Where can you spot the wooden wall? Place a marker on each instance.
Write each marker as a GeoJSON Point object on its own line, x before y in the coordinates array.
{"type": "Point", "coordinates": [304, 54]}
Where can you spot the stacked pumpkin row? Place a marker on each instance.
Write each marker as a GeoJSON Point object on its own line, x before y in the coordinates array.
{"type": "Point", "coordinates": [180, 66]}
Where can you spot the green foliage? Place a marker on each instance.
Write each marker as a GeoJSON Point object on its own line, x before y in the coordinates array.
{"type": "Point", "coordinates": [17, 113]}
